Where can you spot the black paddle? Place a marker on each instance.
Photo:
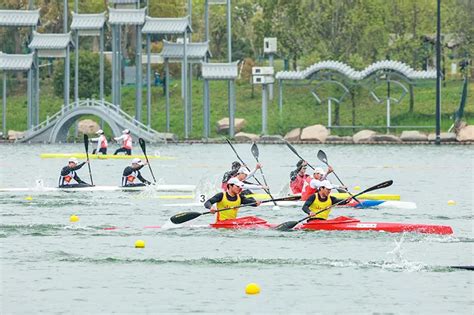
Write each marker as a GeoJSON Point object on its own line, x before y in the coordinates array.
{"type": "Point", "coordinates": [86, 146]}
{"type": "Point", "coordinates": [256, 153]}
{"type": "Point", "coordinates": [187, 216]}
{"type": "Point", "coordinates": [296, 153]}
{"type": "Point", "coordinates": [143, 146]}
{"type": "Point", "coordinates": [241, 161]}
{"type": "Point", "coordinates": [323, 158]}
{"type": "Point", "coordinates": [285, 226]}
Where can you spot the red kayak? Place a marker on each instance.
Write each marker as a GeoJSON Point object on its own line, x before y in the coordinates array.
{"type": "Point", "coordinates": [249, 222]}
{"type": "Point", "coordinates": [338, 224]}
{"type": "Point", "coordinates": [351, 224]}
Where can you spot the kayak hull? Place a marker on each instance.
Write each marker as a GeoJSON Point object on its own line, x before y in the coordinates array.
{"type": "Point", "coordinates": [100, 156]}
{"type": "Point", "coordinates": [249, 222]}
{"type": "Point", "coordinates": [350, 224]}
{"type": "Point", "coordinates": [161, 188]}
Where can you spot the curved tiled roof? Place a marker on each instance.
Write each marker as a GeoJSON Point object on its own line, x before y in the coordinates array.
{"type": "Point", "coordinates": [173, 50]}
{"type": "Point", "coordinates": [87, 21]}
{"type": "Point", "coordinates": [127, 16]}
{"type": "Point", "coordinates": [50, 41]}
{"type": "Point", "coordinates": [19, 17]}
{"type": "Point", "coordinates": [166, 25]}
{"type": "Point", "coordinates": [353, 74]}
{"type": "Point", "coordinates": [15, 62]}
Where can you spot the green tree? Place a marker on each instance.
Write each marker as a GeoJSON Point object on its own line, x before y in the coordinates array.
{"type": "Point", "coordinates": [89, 79]}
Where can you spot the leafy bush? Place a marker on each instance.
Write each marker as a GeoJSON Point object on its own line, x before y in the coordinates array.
{"type": "Point", "coordinates": [89, 75]}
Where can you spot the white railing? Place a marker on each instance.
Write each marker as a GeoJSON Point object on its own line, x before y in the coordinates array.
{"type": "Point", "coordinates": [109, 108]}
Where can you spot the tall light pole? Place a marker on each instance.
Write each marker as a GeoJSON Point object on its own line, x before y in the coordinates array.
{"type": "Point", "coordinates": [229, 60]}
{"type": "Point", "coordinates": [438, 73]}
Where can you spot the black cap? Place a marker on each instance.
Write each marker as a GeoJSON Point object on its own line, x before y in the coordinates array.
{"type": "Point", "coordinates": [236, 165]}
{"type": "Point", "coordinates": [300, 162]}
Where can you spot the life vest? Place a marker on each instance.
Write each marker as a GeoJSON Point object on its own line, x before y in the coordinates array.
{"type": "Point", "coordinates": [129, 179]}
{"type": "Point", "coordinates": [103, 142]}
{"type": "Point", "coordinates": [127, 142]}
{"type": "Point", "coordinates": [307, 190]}
{"type": "Point", "coordinates": [297, 185]}
{"type": "Point", "coordinates": [66, 179]}
{"type": "Point", "coordinates": [226, 203]}
{"type": "Point", "coordinates": [319, 205]}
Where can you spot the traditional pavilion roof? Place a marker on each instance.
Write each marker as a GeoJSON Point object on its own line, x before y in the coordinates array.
{"type": "Point", "coordinates": [50, 41]}
{"type": "Point", "coordinates": [127, 16]}
{"type": "Point", "coordinates": [220, 71]}
{"type": "Point", "coordinates": [349, 72]}
{"type": "Point", "coordinates": [19, 17]}
{"type": "Point", "coordinates": [166, 25]}
{"type": "Point", "coordinates": [16, 62]}
{"type": "Point", "coordinates": [174, 50]}
{"type": "Point", "coordinates": [87, 21]}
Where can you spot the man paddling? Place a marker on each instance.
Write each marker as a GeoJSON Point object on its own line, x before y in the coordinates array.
{"type": "Point", "coordinates": [130, 173]}
{"type": "Point", "coordinates": [231, 198]}
{"type": "Point", "coordinates": [321, 200]}
{"type": "Point", "coordinates": [298, 177]}
{"type": "Point", "coordinates": [101, 143]}
{"type": "Point", "coordinates": [68, 173]}
{"type": "Point", "coordinates": [126, 139]}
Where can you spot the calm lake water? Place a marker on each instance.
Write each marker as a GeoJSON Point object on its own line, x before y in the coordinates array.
{"type": "Point", "coordinates": [49, 265]}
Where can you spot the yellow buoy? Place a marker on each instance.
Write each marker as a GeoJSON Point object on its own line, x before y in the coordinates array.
{"type": "Point", "coordinates": [29, 198]}
{"type": "Point", "coordinates": [74, 218]}
{"type": "Point", "coordinates": [252, 288]}
{"type": "Point", "coordinates": [451, 202]}
{"type": "Point", "coordinates": [357, 188]}
{"type": "Point", "coordinates": [140, 244]}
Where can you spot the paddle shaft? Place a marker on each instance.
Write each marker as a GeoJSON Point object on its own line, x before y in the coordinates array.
{"type": "Point", "coordinates": [143, 146]}
{"type": "Point", "coordinates": [241, 161]}
{"type": "Point", "coordinates": [252, 204]}
{"type": "Point", "coordinates": [255, 155]}
{"type": "Point", "coordinates": [324, 159]}
{"type": "Point", "coordinates": [86, 147]}
{"type": "Point", "coordinates": [297, 154]}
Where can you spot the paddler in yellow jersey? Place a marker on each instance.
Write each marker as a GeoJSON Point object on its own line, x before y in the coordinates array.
{"type": "Point", "coordinates": [228, 199]}
{"type": "Point", "coordinates": [321, 200]}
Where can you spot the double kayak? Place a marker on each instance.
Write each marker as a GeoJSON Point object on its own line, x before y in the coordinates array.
{"type": "Point", "coordinates": [364, 204]}
{"type": "Point", "coordinates": [338, 224]}
{"type": "Point", "coordinates": [100, 156]}
{"type": "Point", "coordinates": [342, 196]}
{"type": "Point", "coordinates": [158, 188]}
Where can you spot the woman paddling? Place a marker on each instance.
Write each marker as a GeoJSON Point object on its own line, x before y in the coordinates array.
{"type": "Point", "coordinates": [231, 198]}
{"type": "Point", "coordinates": [68, 173]}
{"type": "Point", "coordinates": [322, 200]}
{"type": "Point", "coordinates": [101, 143]}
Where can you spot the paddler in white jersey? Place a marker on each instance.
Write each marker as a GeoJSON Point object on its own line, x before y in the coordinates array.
{"type": "Point", "coordinates": [243, 174]}
{"type": "Point", "coordinates": [126, 139]}
{"type": "Point", "coordinates": [101, 143]}
{"type": "Point", "coordinates": [312, 184]}
{"type": "Point", "coordinates": [229, 199]}
{"type": "Point", "coordinates": [68, 173]}
{"type": "Point", "coordinates": [130, 173]}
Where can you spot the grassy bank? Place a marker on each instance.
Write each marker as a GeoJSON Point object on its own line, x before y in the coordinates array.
{"type": "Point", "coordinates": [299, 107]}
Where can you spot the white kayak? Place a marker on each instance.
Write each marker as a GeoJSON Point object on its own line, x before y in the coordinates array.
{"type": "Point", "coordinates": [161, 188]}
{"type": "Point", "coordinates": [366, 204]}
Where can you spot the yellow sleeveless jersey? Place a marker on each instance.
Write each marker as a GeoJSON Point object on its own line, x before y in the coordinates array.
{"type": "Point", "coordinates": [318, 205]}
{"type": "Point", "coordinates": [226, 203]}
